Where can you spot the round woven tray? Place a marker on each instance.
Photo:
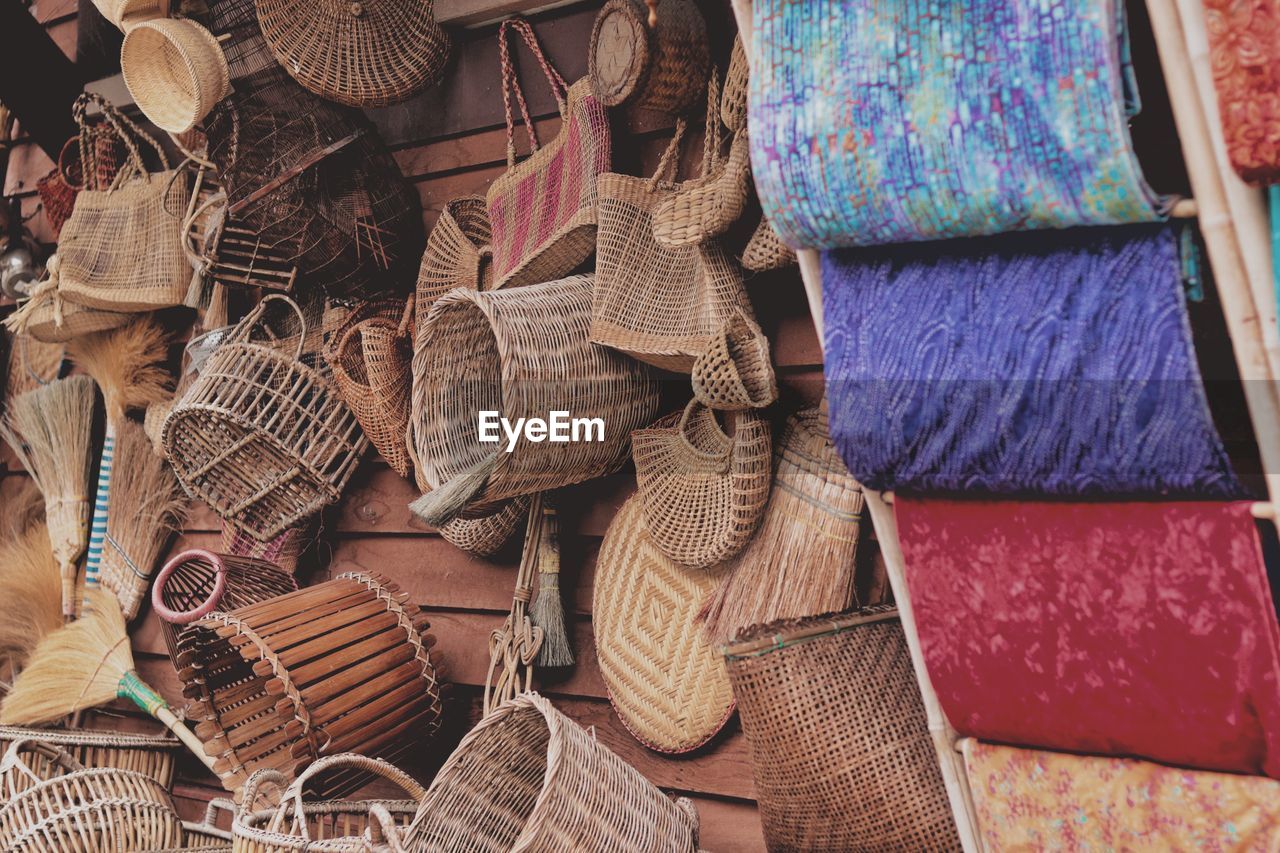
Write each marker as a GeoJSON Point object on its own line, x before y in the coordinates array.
{"type": "Point", "coordinates": [668, 685]}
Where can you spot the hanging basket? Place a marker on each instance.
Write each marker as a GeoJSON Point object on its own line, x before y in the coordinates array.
{"type": "Point", "coordinates": [529, 778]}
{"type": "Point", "coordinates": [260, 436]}
{"type": "Point", "coordinates": [651, 67]}
{"type": "Point", "coordinates": [765, 250]}
{"type": "Point", "coordinates": [457, 253]}
{"type": "Point", "coordinates": [342, 666]}
{"type": "Point", "coordinates": [151, 755]}
{"type": "Point", "coordinates": [175, 70]}
{"type": "Point", "coordinates": [485, 536]}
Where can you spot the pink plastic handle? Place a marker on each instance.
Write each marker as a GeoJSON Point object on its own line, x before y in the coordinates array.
{"type": "Point", "coordinates": [208, 606]}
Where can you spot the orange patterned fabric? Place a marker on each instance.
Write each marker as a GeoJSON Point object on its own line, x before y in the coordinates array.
{"type": "Point", "coordinates": [1244, 43]}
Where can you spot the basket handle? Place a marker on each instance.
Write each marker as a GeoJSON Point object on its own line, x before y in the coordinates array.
{"type": "Point", "coordinates": [255, 316]}
{"type": "Point", "coordinates": [216, 805]}
{"type": "Point", "coordinates": [128, 131]}
{"type": "Point", "coordinates": [711, 138]}
{"type": "Point", "coordinates": [376, 766]}
{"type": "Point", "coordinates": [59, 756]}
{"type": "Point", "coordinates": [72, 144]}
{"type": "Point", "coordinates": [266, 775]}
{"type": "Point", "coordinates": [383, 829]}
{"type": "Point", "coordinates": [669, 163]}
{"type": "Point", "coordinates": [184, 617]}
{"type": "Point", "coordinates": [511, 83]}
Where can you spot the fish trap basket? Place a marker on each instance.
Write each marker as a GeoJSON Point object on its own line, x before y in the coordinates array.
{"type": "Point", "coordinates": [529, 778]}
{"type": "Point", "coordinates": [95, 810]}
{"type": "Point", "coordinates": [840, 748]}
{"type": "Point", "coordinates": [522, 352]}
{"type": "Point", "coordinates": [342, 666]}
{"type": "Point", "coordinates": [196, 582]}
{"type": "Point", "coordinates": [342, 826]}
{"type": "Point", "coordinates": [261, 436]}
{"type": "Point", "coordinates": [150, 755]}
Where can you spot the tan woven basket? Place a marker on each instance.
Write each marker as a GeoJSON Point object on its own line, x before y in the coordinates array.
{"type": "Point", "coordinates": [342, 666]}
{"type": "Point", "coordinates": [175, 70]}
{"type": "Point", "coordinates": [703, 490]}
{"type": "Point", "coordinates": [206, 836]}
{"type": "Point", "coordinates": [522, 353]}
{"type": "Point", "coordinates": [151, 755]}
{"type": "Point", "coordinates": [666, 682]}
{"type": "Point", "coordinates": [484, 537]}
{"type": "Point", "coordinates": [706, 206]}
{"type": "Point", "coordinates": [457, 253]}
{"type": "Point", "coordinates": [345, 826]}
{"type": "Point", "coordinates": [528, 778]}
{"type": "Point", "coordinates": [653, 67]}
{"type": "Point", "coordinates": [49, 318]}
{"type": "Point", "coordinates": [96, 810]}
{"type": "Point", "coordinates": [840, 747]}
{"type": "Point", "coordinates": [733, 99]}
{"type": "Point", "coordinates": [765, 250]}
{"type": "Point", "coordinates": [260, 436]}
{"type": "Point", "coordinates": [370, 357]}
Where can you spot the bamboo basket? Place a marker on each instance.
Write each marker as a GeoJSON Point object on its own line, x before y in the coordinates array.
{"type": "Point", "coordinates": [150, 755]}
{"type": "Point", "coordinates": [96, 810]}
{"type": "Point", "coordinates": [529, 778]}
{"type": "Point", "coordinates": [342, 666]}
{"type": "Point", "coordinates": [261, 436]}
{"type": "Point", "coordinates": [196, 582]}
{"type": "Point", "coordinates": [349, 826]}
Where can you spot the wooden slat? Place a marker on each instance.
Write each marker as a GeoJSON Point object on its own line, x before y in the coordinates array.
{"type": "Point", "coordinates": [47, 11]}
{"type": "Point", "coordinates": [27, 164]}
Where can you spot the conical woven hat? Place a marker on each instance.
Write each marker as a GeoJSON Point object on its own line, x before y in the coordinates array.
{"type": "Point", "coordinates": [364, 53]}
{"type": "Point", "coordinates": [666, 682]}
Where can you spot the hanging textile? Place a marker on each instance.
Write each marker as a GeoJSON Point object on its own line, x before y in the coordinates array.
{"type": "Point", "coordinates": [1027, 800]}
{"type": "Point", "coordinates": [1138, 629]}
{"type": "Point", "coordinates": [899, 120]}
{"type": "Point", "coordinates": [1244, 48]}
{"type": "Point", "coordinates": [1044, 364]}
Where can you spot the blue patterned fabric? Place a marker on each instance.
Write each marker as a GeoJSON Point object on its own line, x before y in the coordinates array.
{"type": "Point", "coordinates": [888, 121]}
{"type": "Point", "coordinates": [1032, 364]}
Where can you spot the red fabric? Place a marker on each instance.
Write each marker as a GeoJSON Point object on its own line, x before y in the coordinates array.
{"type": "Point", "coordinates": [1142, 629]}
{"type": "Point", "coordinates": [1244, 48]}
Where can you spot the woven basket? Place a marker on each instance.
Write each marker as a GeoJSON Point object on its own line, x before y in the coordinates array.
{"type": "Point", "coordinates": [666, 682]}
{"type": "Point", "coordinates": [522, 353]}
{"type": "Point", "coordinates": [260, 436]}
{"type": "Point", "coordinates": [765, 250]}
{"type": "Point", "coordinates": [733, 99]}
{"type": "Point", "coordinates": [196, 582]}
{"type": "Point", "coordinates": [363, 53]}
{"type": "Point", "coordinates": [651, 66]}
{"type": "Point", "coordinates": [347, 826]}
{"type": "Point", "coordinates": [703, 490]}
{"type": "Point", "coordinates": [342, 666]}
{"type": "Point", "coordinates": [105, 154]}
{"type": "Point", "coordinates": [457, 253]}
{"type": "Point", "coordinates": [97, 810]}
{"type": "Point", "coordinates": [175, 71]}
{"type": "Point", "coordinates": [370, 356]}
{"type": "Point", "coordinates": [485, 536]}
{"type": "Point", "coordinates": [528, 778]}
{"type": "Point", "coordinates": [840, 747]}
{"type": "Point", "coordinates": [284, 549]}
{"type": "Point", "coordinates": [206, 836]}
{"type": "Point", "coordinates": [706, 206]}
{"type": "Point", "coordinates": [150, 755]}
{"type": "Point", "coordinates": [735, 372]}
{"type": "Point", "coordinates": [49, 318]}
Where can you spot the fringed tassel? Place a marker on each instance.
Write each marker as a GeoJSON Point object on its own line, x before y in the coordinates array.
{"type": "Point", "coordinates": [444, 504]}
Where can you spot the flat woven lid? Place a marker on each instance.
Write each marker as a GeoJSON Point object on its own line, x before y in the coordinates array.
{"type": "Point", "coordinates": [667, 683]}
{"type": "Point", "coordinates": [363, 53]}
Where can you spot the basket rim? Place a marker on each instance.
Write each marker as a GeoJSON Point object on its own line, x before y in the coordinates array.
{"type": "Point", "coordinates": [93, 737]}
{"type": "Point", "coordinates": [760, 640]}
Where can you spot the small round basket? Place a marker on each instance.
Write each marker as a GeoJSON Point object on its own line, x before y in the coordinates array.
{"type": "Point", "coordinates": [151, 755]}
{"type": "Point", "coordinates": [529, 778]}
{"type": "Point", "coordinates": [175, 70]}
{"type": "Point", "coordinates": [484, 537]}
{"type": "Point", "coordinates": [656, 68]}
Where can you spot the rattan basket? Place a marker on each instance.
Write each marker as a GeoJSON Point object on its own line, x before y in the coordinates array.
{"type": "Point", "coordinates": [345, 826]}
{"type": "Point", "coordinates": [765, 250]}
{"type": "Point", "coordinates": [485, 536]}
{"type": "Point", "coordinates": [95, 810]}
{"type": "Point", "coordinates": [196, 582]}
{"type": "Point", "coordinates": [342, 666]}
{"type": "Point", "coordinates": [260, 436]}
{"type": "Point", "coordinates": [151, 755]}
{"type": "Point", "coordinates": [840, 747]}
{"type": "Point", "coordinates": [733, 98]}
{"type": "Point", "coordinates": [175, 70]}
{"type": "Point", "coordinates": [521, 352]}
{"type": "Point", "coordinates": [529, 778]}
{"type": "Point", "coordinates": [457, 253]}
{"type": "Point", "coordinates": [654, 67]}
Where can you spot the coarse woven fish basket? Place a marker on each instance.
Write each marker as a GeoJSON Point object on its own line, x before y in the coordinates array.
{"type": "Point", "coordinates": [94, 810]}
{"type": "Point", "coordinates": [341, 826]}
{"type": "Point", "coordinates": [523, 353]}
{"type": "Point", "coordinates": [457, 253]}
{"type": "Point", "coordinates": [485, 536]}
{"type": "Point", "coordinates": [262, 436]}
{"type": "Point", "coordinates": [765, 250]}
{"type": "Point", "coordinates": [196, 582]}
{"type": "Point", "coordinates": [151, 755]}
{"type": "Point", "coordinates": [840, 747]}
{"type": "Point", "coordinates": [342, 666]}
{"type": "Point", "coordinates": [529, 778]}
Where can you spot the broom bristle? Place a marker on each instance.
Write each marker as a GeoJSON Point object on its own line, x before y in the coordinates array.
{"type": "Point", "coordinates": [30, 594]}
{"type": "Point", "coordinates": [547, 612]}
{"type": "Point", "coordinates": [24, 509]}
{"type": "Point", "coordinates": [442, 505]}
{"type": "Point", "coordinates": [77, 666]}
{"type": "Point", "coordinates": [127, 363]}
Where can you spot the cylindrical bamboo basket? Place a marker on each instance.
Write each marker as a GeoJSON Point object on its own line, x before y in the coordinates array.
{"type": "Point", "coordinates": [529, 778]}
{"type": "Point", "coordinates": [151, 755]}
{"type": "Point", "coordinates": [342, 666]}
{"type": "Point", "coordinates": [175, 70]}
{"type": "Point", "coordinates": [196, 582]}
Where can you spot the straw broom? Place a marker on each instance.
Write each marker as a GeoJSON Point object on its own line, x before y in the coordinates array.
{"type": "Point", "coordinates": [30, 595]}
{"type": "Point", "coordinates": [85, 664]}
{"type": "Point", "coordinates": [23, 509]}
{"type": "Point", "coordinates": [547, 610]}
{"type": "Point", "coordinates": [127, 363]}
{"type": "Point", "coordinates": [50, 430]}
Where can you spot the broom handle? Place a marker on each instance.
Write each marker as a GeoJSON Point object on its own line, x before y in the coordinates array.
{"type": "Point", "coordinates": [101, 506]}
{"type": "Point", "coordinates": [138, 692]}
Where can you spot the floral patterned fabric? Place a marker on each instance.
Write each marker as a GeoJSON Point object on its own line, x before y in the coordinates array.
{"type": "Point", "coordinates": [1028, 800]}
{"type": "Point", "coordinates": [1244, 45]}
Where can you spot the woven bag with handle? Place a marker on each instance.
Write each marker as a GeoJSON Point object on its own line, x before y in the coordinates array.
{"type": "Point", "coordinates": [89, 160]}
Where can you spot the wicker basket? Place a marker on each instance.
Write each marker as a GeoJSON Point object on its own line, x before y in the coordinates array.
{"type": "Point", "coordinates": [708, 205]}
{"type": "Point", "coordinates": [529, 778]}
{"type": "Point", "coordinates": [484, 537]}
{"type": "Point", "coordinates": [283, 550]}
{"type": "Point", "coordinates": [51, 319]}
{"type": "Point", "coordinates": [733, 100]}
{"type": "Point", "coordinates": [457, 253]}
{"type": "Point", "coordinates": [175, 71]}
{"type": "Point", "coordinates": [352, 826]}
{"type": "Point", "coordinates": [342, 666]}
{"type": "Point", "coordinates": [151, 755]}
{"type": "Point", "coordinates": [840, 747]}
{"type": "Point", "coordinates": [196, 582]}
{"type": "Point", "coordinates": [523, 353]}
{"type": "Point", "coordinates": [650, 66]}
{"type": "Point", "coordinates": [96, 810]}
{"type": "Point", "coordinates": [261, 436]}
{"type": "Point", "coordinates": [765, 250]}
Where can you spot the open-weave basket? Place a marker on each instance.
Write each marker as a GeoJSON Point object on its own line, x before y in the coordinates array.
{"type": "Point", "coordinates": [151, 755]}
{"type": "Point", "coordinates": [457, 253]}
{"type": "Point", "coordinates": [175, 70]}
{"type": "Point", "coordinates": [95, 810]}
{"type": "Point", "coordinates": [703, 490]}
{"type": "Point", "coordinates": [528, 778]}
{"type": "Point", "coordinates": [485, 536]}
{"type": "Point", "coordinates": [765, 250]}
{"type": "Point", "coordinates": [733, 99]}
{"type": "Point", "coordinates": [339, 826]}
{"type": "Point", "coordinates": [342, 666]}
{"type": "Point", "coordinates": [49, 318]}
{"type": "Point", "coordinates": [665, 60]}
{"type": "Point", "coordinates": [260, 436]}
{"type": "Point", "coordinates": [521, 352]}
{"type": "Point", "coordinates": [840, 747]}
